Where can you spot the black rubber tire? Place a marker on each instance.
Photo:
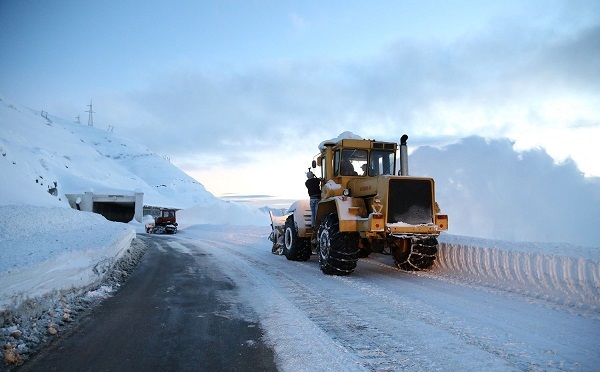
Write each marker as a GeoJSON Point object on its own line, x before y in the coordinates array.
{"type": "Point", "coordinates": [294, 247]}
{"type": "Point", "coordinates": [419, 256]}
{"type": "Point", "coordinates": [364, 252]}
{"type": "Point", "coordinates": [338, 251]}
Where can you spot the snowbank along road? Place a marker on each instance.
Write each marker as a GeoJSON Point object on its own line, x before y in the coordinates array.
{"type": "Point", "coordinates": [478, 309]}
{"type": "Point", "coordinates": [511, 318]}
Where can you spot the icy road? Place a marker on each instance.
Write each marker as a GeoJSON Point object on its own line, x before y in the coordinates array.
{"type": "Point", "coordinates": [379, 318]}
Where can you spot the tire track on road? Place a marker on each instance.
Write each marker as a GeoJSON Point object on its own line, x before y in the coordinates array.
{"type": "Point", "coordinates": [377, 339]}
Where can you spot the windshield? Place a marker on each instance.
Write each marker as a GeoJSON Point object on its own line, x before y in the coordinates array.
{"type": "Point", "coordinates": [352, 163]}
{"type": "Point", "coordinates": [382, 163]}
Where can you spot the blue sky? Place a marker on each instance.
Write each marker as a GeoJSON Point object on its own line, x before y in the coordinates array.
{"type": "Point", "coordinates": [235, 90]}
{"type": "Point", "coordinates": [122, 44]}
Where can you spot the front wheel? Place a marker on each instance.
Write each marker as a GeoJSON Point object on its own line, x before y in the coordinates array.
{"type": "Point", "coordinates": [294, 247]}
{"type": "Point", "coordinates": [337, 250]}
{"type": "Point", "coordinates": [415, 254]}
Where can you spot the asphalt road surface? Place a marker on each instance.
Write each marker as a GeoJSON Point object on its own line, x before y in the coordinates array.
{"type": "Point", "coordinates": [175, 313]}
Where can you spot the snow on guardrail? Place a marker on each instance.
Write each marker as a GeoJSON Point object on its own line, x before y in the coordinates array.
{"type": "Point", "coordinates": [571, 279]}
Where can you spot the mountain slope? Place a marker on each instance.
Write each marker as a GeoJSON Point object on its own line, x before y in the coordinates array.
{"type": "Point", "coordinates": [43, 153]}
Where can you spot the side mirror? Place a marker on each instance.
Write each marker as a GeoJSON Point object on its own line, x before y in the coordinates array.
{"type": "Point", "coordinates": [314, 164]}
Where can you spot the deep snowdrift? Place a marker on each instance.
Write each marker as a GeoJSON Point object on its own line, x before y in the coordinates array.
{"type": "Point", "coordinates": [50, 251]}
{"type": "Point", "coordinates": [562, 274]}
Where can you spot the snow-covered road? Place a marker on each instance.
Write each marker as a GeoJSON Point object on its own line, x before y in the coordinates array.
{"type": "Point", "coordinates": [381, 318]}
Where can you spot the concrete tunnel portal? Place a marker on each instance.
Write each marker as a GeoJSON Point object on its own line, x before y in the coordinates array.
{"type": "Point", "coordinates": [121, 207]}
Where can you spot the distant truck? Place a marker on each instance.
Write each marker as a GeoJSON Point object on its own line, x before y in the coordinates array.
{"type": "Point", "coordinates": [365, 207]}
{"type": "Point", "coordinates": [166, 223]}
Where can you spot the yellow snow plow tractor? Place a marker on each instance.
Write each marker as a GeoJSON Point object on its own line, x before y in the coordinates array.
{"type": "Point", "coordinates": [364, 207]}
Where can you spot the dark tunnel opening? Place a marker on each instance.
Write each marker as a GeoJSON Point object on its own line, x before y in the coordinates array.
{"type": "Point", "coordinates": [118, 212]}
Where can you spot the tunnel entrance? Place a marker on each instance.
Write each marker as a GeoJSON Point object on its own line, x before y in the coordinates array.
{"type": "Point", "coordinates": [121, 207]}
{"type": "Point", "coordinates": [118, 212]}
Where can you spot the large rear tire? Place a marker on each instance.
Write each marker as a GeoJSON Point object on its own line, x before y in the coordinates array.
{"type": "Point", "coordinates": [337, 250]}
{"type": "Point", "coordinates": [294, 247]}
{"type": "Point", "coordinates": [415, 254]}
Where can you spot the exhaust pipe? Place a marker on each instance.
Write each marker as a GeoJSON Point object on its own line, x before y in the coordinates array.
{"type": "Point", "coordinates": [403, 156]}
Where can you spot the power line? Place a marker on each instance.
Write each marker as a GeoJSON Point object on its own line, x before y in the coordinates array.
{"type": "Point", "coordinates": [90, 117]}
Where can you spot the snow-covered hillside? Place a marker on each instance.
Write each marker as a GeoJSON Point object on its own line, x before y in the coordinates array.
{"type": "Point", "coordinates": [47, 247]}
{"type": "Point", "coordinates": [44, 152]}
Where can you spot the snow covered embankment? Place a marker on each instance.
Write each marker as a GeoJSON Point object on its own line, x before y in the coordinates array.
{"type": "Point", "coordinates": [572, 280]}
{"type": "Point", "coordinates": [49, 251]}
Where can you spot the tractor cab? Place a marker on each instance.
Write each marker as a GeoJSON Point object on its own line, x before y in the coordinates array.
{"type": "Point", "coordinates": [167, 216]}
{"type": "Point", "coordinates": [351, 159]}
{"type": "Point", "coordinates": [164, 223]}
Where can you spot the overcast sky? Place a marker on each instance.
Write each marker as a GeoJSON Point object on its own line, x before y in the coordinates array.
{"type": "Point", "coordinates": [240, 93]}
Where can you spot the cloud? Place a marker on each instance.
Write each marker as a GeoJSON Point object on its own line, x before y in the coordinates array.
{"type": "Point", "coordinates": [492, 75]}
{"type": "Point", "coordinates": [507, 81]}
{"type": "Point", "coordinates": [490, 190]}
{"type": "Point", "coordinates": [574, 62]}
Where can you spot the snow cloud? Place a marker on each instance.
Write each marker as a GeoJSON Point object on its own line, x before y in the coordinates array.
{"type": "Point", "coordinates": [490, 190]}
{"type": "Point", "coordinates": [531, 84]}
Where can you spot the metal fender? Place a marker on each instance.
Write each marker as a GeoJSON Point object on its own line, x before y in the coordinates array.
{"type": "Point", "coordinates": [349, 210]}
{"type": "Point", "coordinates": [301, 212]}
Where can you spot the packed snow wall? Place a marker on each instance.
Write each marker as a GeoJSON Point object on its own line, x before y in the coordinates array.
{"type": "Point", "coordinates": [48, 252]}
{"type": "Point", "coordinates": [572, 281]}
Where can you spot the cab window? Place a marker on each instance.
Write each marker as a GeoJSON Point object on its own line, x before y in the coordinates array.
{"type": "Point", "coordinates": [336, 163]}
{"type": "Point", "coordinates": [382, 163]}
{"type": "Point", "coordinates": [353, 162]}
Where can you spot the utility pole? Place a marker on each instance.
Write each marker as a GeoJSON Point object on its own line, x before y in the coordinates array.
{"type": "Point", "coordinates": [90, 117]}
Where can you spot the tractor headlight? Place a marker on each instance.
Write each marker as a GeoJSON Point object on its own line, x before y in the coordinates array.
{"type": "Point", "coordinates": [376, 206]}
